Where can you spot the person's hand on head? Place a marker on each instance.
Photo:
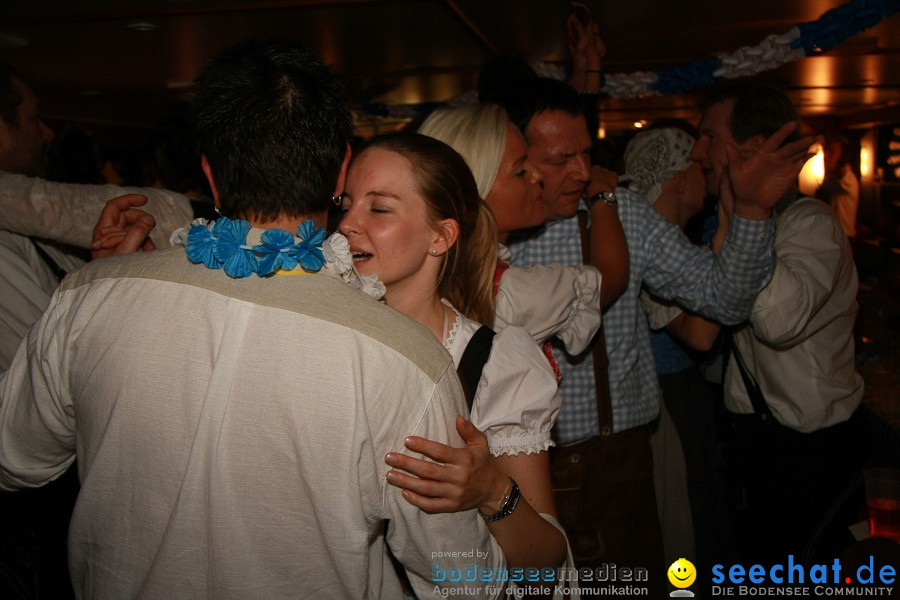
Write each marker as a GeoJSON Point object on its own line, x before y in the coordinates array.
{"type": "Point", "coordinates": [122, 228]}
{"type": "Point", "coordinates": [760, 180]}
{"type": "Point", "coordinates": [458, 479]}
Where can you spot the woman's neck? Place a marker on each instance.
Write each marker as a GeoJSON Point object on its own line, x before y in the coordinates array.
{"type": "Point", "coordinates": [427, 309]}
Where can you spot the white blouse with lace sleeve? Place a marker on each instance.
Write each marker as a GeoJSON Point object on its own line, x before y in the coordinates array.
{"type": "Point", "coordinates": [551, 300]}
{"type": "Point", "coordinates": [517, 398]}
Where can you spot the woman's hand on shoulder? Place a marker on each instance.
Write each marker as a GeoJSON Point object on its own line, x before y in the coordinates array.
{"type": "Point", "coordinates": [454, 479]}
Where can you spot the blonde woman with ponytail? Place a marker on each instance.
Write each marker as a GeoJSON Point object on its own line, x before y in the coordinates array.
{"type": "Point", "coordinates": [414, 217]}
{"type": "Point", "coordinates": [547, 300]}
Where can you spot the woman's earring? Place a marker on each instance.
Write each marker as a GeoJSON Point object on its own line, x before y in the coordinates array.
{"type": "Point", "coordinates": [433, 251]}
{"type": "Point", "coordinates": [218, 210]}
{"type": "Point", "coordinates": [337, 199]}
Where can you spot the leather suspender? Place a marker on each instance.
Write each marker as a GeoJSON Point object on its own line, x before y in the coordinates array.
{"type": "Point", "coordinates": [598, 350]}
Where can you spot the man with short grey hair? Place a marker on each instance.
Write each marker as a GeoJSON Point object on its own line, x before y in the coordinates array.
{"type": "Point", "coordinates": [791, 387]}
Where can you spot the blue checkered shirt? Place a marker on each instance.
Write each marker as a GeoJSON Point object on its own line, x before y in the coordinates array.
{"type": "Point", "coordinates": [721, 287]}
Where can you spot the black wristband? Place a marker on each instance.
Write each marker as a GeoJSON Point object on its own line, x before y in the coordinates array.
{"type": "Point", "coordinates": [509, 504]}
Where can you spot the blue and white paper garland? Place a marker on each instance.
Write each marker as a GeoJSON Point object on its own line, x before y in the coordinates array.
{"type": "Point", "coordinates": [800, 41]}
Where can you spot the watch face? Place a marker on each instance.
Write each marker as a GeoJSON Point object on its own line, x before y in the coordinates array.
{"type": "Point", "coordinates": [604, 197]}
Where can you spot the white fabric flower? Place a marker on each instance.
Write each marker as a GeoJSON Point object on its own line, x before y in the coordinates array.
{"type": "Point", "coordinates": [338, 259]}
{"type": "Point", "coordinates": [368, 284]}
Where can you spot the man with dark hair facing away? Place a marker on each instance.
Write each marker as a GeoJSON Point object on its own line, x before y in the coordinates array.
{"type": "Point", "coordinates": [230, 402]}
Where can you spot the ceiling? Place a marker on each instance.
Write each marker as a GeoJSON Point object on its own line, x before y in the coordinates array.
{"type": "Point", "coordinates": [88, 66]}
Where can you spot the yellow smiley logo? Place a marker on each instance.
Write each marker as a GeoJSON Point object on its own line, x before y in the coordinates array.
{"type": "Point", "coordinates": [682, 573]}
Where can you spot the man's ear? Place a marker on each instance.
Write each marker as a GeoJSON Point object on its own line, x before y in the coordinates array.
{"type": "Point", "coordinates": [447, 231]}
{"type": "Point", "coordinates": [342, 175]}
{"type": "Point", "coordinates": [678, 181]}
{"type": "Point", "coordinates": [207, 170]}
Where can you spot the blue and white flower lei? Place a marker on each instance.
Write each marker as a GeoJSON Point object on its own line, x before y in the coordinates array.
{"type": "Point", "coordinates": [222, 244]}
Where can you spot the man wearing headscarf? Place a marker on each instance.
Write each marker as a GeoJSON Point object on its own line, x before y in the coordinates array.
{"type": "Point", "coordinates": [693, 515]}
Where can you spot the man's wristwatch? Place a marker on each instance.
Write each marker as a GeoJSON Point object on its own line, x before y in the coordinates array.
{"type": "Point", "coordinates": [607, 198]}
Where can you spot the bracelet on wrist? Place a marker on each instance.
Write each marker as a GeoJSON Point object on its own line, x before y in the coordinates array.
{"type": "Point", "coordinates": [510, 501]}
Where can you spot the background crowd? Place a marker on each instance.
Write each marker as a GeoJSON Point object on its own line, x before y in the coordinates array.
{"type": "Point", "coordinates": [543, 333]}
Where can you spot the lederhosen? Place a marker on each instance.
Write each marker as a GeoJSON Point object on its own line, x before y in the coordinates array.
{"type": "Point", "coordinates": [603, 485]}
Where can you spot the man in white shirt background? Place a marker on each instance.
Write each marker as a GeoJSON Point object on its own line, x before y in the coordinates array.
{"type": "Point", "coordinates": [796, 443]}
{"type": "Point", "coordinates": [28, 271]}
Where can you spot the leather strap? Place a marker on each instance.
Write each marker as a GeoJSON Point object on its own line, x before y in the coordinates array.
{"type": "Point", "coordinates": [473, 360]}
{"type": "Point", "coordinates": [760, 406]}
{"type": "Point", "coordinates": [598, 350]}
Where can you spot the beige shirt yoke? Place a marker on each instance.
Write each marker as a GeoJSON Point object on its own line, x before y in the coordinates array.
{"type": "Point", "coordinates": [231, 434]}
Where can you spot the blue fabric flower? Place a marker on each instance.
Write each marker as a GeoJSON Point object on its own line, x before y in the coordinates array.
{"type": "Point", "coordinates": [277, 250]}
{"type": "Point", "coordinates": [224, 244]}
{"type": "Point", "coordinates": [201, 247]}
{"type": "Point", "coordinates": [232, 247]}
{"type": "Point", "coordinates": [309, 250]}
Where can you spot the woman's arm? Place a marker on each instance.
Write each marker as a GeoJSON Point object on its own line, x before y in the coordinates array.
{"type": "Point", "coordinates": [470, 477]}
{"type": "Point", "coordinates": [694, 331]}
{"type": "Point", "coordinates": [568, 305]}
{"type": "Point", "coordinates": [609, 248]}
{"type": "Point", "coordinates": [587, 50]}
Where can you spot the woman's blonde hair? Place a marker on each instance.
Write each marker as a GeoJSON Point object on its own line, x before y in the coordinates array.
{"type": "Point", "coordinates": [445, 182]}
{"type": "Point", "coordinates": [478, 133]}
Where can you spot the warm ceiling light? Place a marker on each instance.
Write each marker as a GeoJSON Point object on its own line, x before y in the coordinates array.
{"type": "Point", "coordinates": [813, 172]}
{"type": "Point", "coordinates": [638, 124]}
{"type": "Point", "coordinates": [865, 162]}
{"type": "Point", "coordinates": [818, 164]}
{"type": "Point", "coordinates": [143, 26]}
